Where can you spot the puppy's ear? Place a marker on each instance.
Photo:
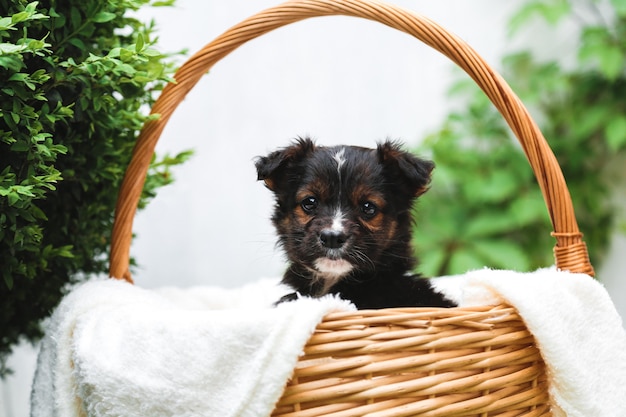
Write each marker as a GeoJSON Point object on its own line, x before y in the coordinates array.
{"type": "Point", "coordinates": [413, 172]}
{"type": "Point", "coordinates": [273, 168]}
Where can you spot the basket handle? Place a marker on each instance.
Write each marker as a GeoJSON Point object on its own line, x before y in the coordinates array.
{"type": "Point", "coordinates": [570, 251]}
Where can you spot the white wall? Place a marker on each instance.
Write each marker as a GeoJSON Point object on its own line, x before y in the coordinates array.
{"type": "Point", "coordinates": [341, 80]}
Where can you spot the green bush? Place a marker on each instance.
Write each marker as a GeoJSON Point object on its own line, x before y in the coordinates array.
{"type": "Point", "coordinates": [77, 78]}
{"type": "Point", "coordinates": [485, 207]}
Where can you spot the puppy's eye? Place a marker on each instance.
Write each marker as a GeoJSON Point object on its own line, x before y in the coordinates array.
{"type": "Point", "coordinates": [309, 204]}
{"type": "Point", "coordinates": [369, 209]}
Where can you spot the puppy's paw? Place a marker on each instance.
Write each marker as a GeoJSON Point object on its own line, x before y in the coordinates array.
{"type": "Point", "coordinates": [286, 298]}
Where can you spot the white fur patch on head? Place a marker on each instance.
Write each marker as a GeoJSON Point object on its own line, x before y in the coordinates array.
{"type": "Point", "coordinates": [339, 157]}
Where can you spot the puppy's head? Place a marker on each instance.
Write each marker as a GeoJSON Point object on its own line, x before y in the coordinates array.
{"type": "Point", "coordinates": [344, 210]}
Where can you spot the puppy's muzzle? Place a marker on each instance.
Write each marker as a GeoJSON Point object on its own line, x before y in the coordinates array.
{"type": "Point", "coordinates": [333, 239]}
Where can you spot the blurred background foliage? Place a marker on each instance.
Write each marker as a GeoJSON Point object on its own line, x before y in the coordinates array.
{"type": "Point", "coordinates": [77, 78]}
{"type": "Point", "coordinates": [484, 207]}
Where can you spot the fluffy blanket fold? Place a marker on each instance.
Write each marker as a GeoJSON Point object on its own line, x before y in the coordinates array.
{"type": "Point", "coordinates": [578, 331]}
{"type": "Point", "coordinates": [113, 349]}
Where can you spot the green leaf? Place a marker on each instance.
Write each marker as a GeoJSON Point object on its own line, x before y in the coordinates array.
{"type": "Point", "coordinates": [611, 62]}
{"type": "Point", "coordinates": [140, 43]}
{"type": "Point", "coordinates": [24, 190]}
{"type": "Point", "coordinates": [151, 53]}
{"type": "Point", "coordinates": [162, 3]}
{"type": "Point", "coordinates": [500, 185]}
{"type": "Point", "coordinates": [9, 48]}
{"type": "Point", "coordinates": [75, 17]}
{"type": "Point", "coordinates": [431, 264]}
{"type": "Point", "coordinates": [616, 133]}
{"type": "Point", "coordinates": [502, 254]}
{"type": "Point", "coordinates": [551, 11]}
{"type": "Point", "coordinates": [19, 17]}
{"type": "Point", "coordinates": [599, 45]}
{"type": "Point", "coordinates": [52, 12]}
{"type": "Point", "coordinates": [59, 21]}
{"type": "Point", "coordinates": [114, 53]}
{"type": "Point", "coordinates": [489, 223]}
{"type": "Point", "coordinates": [5, 23]}
{"type": "Point", "coordinates": [464, 260]}
{"type": "Point", "coordinates": [125, 68]}
{"type": "Point", "coordinates": [78, 42]}
{"type": "Point", "coordinates": [103, 17]}
{"type": "Point", "coordinates": [20, 146]}
{"type": "Point", "coordinates": [554, 12]}
{"type": "Point", "coordinates": [528, 209]}
{"type": "Point", "coordinates": [592, 120]}
{"type": "Point", "coordinates": [11, 63]}
{"type": "Point", "coordinates": [38, 213]}
{"type": "Point", "coordinates": [126, 55]}
{"type": "Point", "coordinates": [12, 197]}
{"type": "Point", "coordinates": [66, 251]}
{"type": "Point", "coordinates": [18, 77]}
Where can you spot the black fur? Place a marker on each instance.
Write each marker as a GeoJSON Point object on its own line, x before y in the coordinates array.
{"type": "Point", "coordinates": [343, 217]}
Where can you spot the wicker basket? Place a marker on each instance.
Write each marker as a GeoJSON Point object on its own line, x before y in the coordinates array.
{"type": "Point", "coordinates": [395, 362]}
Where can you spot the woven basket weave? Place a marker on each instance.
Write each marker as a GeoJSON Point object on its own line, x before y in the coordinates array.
{"type": "Point", "coordinates": [478, 361]}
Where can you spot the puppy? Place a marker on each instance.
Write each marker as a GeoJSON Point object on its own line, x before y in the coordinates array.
{"type": "Point", "coordinates": [343, 217]}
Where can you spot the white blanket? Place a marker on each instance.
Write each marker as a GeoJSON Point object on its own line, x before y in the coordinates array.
{"type": "Point", "coordinates": [113, 349]}
{"type": "Point", "coordinates": [578, 331]}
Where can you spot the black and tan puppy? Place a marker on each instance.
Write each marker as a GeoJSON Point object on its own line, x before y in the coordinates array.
{"type": "Point", "coordinates": [343, 217]}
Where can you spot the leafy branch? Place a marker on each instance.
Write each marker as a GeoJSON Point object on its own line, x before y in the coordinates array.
{"type": "Point", "coordinates": [484, 207]}
{"type": "Point", "coordinates": [76, 79]}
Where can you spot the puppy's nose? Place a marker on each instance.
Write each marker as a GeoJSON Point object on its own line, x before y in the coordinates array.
{"type": "Point", "coordinates": [333, 239]}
